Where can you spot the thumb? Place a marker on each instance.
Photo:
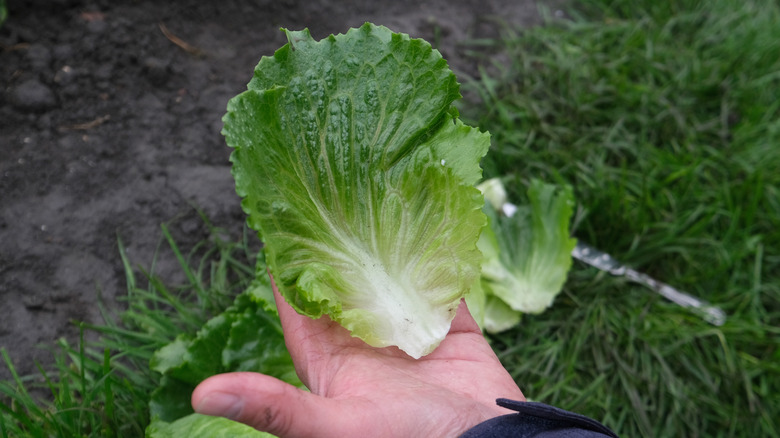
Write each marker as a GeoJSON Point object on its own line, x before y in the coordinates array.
{"type": "Point", "coordinates": [265, 403]}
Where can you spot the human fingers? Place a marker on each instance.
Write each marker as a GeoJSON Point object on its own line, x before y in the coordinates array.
{"type": "Point", "coordinates": [267, 404]}
{"type": "Point", "coordinates": [286, 313]}
{"type": "Point", "coordinates": [297, 327]}
{"type": "Point", "coordinates": [304, 335]}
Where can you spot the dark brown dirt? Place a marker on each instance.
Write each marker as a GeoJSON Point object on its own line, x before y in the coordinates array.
{"type": "Point", "coordinates": [108, 128]}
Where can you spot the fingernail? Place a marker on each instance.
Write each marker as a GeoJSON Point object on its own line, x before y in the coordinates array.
{"type": "Point", "coordinates": [220, 404]}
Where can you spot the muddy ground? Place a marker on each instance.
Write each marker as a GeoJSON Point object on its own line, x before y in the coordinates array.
{"type": "Point", "coordinates": [110, 125]}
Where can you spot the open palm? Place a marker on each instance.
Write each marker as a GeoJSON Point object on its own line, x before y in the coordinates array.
{"type": "Point", "coordinates": [359, 390]}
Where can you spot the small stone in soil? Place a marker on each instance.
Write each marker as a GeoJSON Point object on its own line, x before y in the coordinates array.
{"type": "Point", "coordinates": [33, 301]}
{"type": "Point", "coordinates": [32, 95]}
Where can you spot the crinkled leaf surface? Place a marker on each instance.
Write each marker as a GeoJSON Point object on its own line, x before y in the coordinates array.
{"type": "Point", "coordinates": [359, 178]}
{"type": "Point", "coordinates": [171, 400]}
{"type": "Point", "coordinates": [192, 359]}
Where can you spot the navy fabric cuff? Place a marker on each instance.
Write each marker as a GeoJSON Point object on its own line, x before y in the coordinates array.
{"type": "Point", "coordinates": [538, 420]}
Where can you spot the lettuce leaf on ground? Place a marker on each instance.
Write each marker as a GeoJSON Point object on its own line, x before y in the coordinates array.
{"type": "Point", "coordinates": [498, 316]}
{"type": "Point", "coordinates": [527, 252]}
{"type": "Point", "coordinates": [358, 176]}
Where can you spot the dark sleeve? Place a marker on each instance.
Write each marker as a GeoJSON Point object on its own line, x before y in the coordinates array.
{"type": "Point", "coordinates": [538, 420]}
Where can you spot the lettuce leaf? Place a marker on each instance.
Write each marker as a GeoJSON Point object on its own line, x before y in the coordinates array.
{"type": "Point", "coordinates": [197, 425]}
{"type": "Point", "coordinates": [358, 177]}
{"type": "Point", "coordinates": [498, 315]}
{"type": "Point", "coordinates": [528, 253]}
{"type": "Point", "coordinates": [247, 336]}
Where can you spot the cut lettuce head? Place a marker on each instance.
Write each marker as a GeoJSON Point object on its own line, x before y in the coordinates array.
{"type": "Point", "coordinates": [359, 178]}
{"type": "Point", "coordinates": [527, 253]}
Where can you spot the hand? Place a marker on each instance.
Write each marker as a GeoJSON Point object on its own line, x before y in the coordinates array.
{"type": "Point", "coordinates": [358, 390]}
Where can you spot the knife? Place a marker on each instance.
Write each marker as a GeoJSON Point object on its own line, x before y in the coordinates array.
{"type": "Point", "coordinates": [605, 262]}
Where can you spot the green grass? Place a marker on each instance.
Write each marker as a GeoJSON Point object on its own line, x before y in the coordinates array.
{"type": "Point", "coordinates": [665, 118]}
{"type": "Point", "coordinates": [3, 12]}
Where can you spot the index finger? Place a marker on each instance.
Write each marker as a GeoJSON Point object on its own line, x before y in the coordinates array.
{"type": "Point", "coordinates": [308, 339]}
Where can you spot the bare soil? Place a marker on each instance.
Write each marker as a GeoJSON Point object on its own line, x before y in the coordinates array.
{"type": "Point", "coordinates": [110, 119]}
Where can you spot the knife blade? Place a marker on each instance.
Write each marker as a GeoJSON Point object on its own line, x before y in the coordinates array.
{"type": "Point", "coordinates": [605, 262]}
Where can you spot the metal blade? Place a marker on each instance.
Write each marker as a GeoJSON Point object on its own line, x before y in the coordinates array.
{"type": "Point", "coordinates": [605, 262]}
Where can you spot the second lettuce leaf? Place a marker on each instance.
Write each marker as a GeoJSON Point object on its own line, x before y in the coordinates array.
{"type": "Point", "coordinates": [527, 252]}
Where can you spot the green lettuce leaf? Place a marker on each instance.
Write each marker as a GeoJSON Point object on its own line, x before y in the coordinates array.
{"type": "Point", "coordinates": [196, 425]}
{"type": "Point", "coordinates": [498, 316]}
{"type": "Point", "coordinates": [358, 176]}
{"type": "Point", "coordinates": [528, 254]}
{"type": "Point", "coordinates": [247, 336]}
